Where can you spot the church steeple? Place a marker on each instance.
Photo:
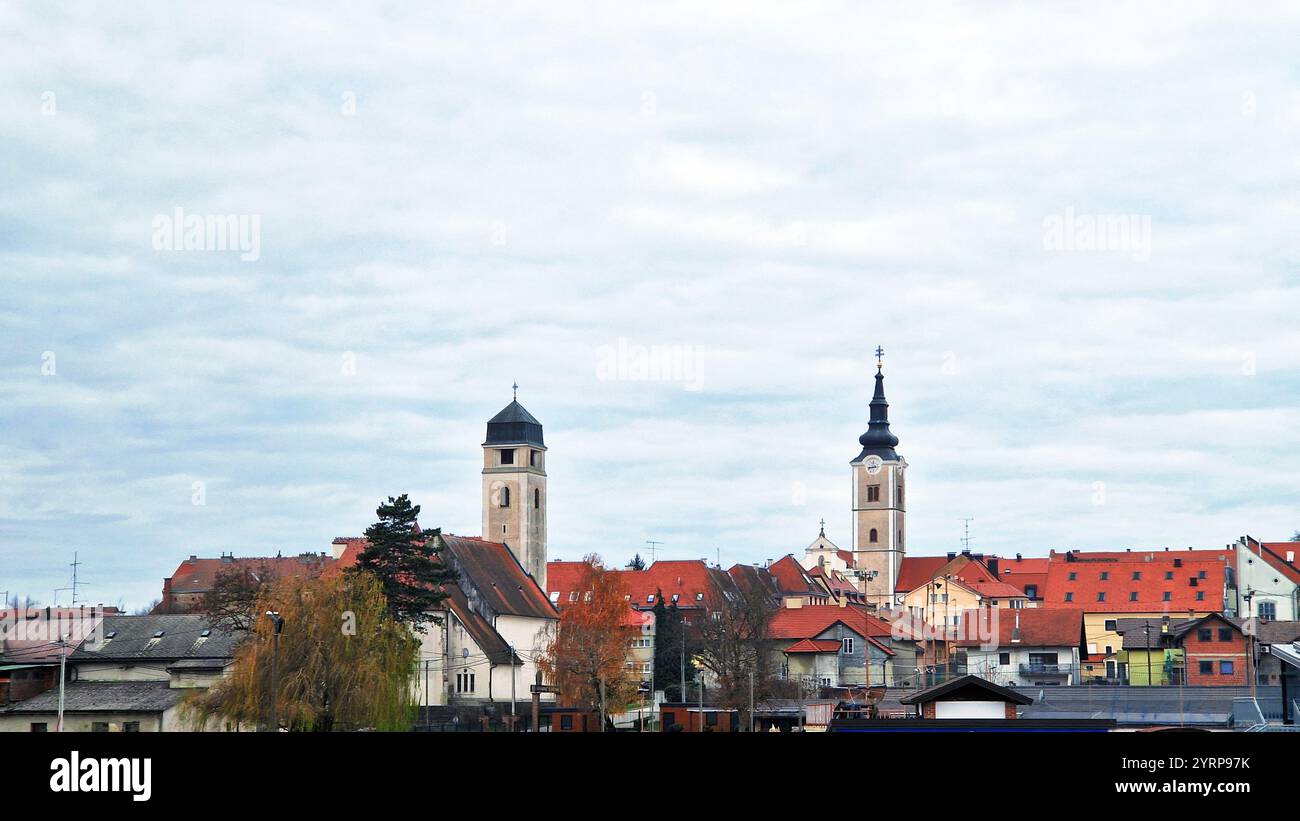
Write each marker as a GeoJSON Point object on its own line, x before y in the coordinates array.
{"type": "Point", "coordinates": [878, 440]}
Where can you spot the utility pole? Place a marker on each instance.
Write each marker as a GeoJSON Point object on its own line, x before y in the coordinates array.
{"type": "Point", "coordinates": [683, 638]}
{"type": "Point", "coordinates": [602, 704]}
{"type": "Point", "coordinates": [277, 622]}
{"type": "Point", "coordinates": [751, 701]}
{"type": "Point", "coordinates": [513, 675]}
{"type": "Point", "coordinates": [63, 665]}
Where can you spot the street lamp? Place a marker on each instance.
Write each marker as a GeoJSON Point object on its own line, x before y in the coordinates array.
{"type": "Point", "coordinates": [277, 625]}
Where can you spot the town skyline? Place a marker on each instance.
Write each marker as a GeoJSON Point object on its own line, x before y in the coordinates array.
{"type": "Point", "coordinates": [305, 292]}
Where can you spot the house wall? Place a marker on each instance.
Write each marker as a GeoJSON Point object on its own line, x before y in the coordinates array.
{"type": "Point", "coordinates": [1215, 651]}
{"type": "Point", "coordinates": [83, 722]}
{"type": "Point", "coordinates": [1267, 584]}
{"type": "Point", "coordinates": [987, 665]}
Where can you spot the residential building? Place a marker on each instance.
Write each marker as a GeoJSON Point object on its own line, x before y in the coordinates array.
{"type": "Point", "coordinates": [185, 590]}
{"type": "Point", "coordinates": [836, 646]}
{"type": "Point", "coordinates": [1028, 647]}
{"type": "Point", "coordinates": [1210, 650]}
{"type": "Point", "coordinates": [130, 674]}
{"type": "Point", "coordinates": [32, 640]}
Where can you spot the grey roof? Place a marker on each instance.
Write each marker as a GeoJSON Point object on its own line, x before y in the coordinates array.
{"type": "Point", "coordinates": [104, 697]}
{"type": "Point", "coordinates": [1277, 632]}
{"type": "Point", "coordinates": [514, 426]}
{"type": "Point", "coordinates": [132, 637]}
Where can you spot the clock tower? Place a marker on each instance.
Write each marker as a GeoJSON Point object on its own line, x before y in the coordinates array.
{"type": "Point", "coordinates": [879, 529]}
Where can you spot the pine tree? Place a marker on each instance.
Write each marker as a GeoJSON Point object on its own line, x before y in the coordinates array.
{"type": "Point", "coordinates": [405, 560]}
{"type": "Point", "coordinates": [637, 563]}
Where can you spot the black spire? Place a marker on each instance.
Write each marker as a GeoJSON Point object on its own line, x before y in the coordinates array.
{"type": "Point", "coordinates": [878, 440]}
{"type": "Point", "coordinates": [514, 426]}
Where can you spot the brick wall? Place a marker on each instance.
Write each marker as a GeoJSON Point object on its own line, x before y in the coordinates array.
{"type": "Point", "coordinates": [1215, 651]}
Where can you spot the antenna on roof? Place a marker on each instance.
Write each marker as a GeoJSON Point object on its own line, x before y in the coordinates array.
{"type": "Point", "coordinates": [653, 547]}
{"type": "Point", "coordinates": [965, 539]}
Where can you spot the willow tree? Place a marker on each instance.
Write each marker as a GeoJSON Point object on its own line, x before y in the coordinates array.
{"type": "Point", "coordinates": [342, 663]}
{"type": "Point", "coordinates": [590, 647]}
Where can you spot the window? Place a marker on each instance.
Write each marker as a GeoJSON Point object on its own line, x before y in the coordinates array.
{"type": "Point", "coordinates": [566, 721]}
{"type": "Point", "coordinates": [505, 497]}
{"type": "Point", "coordinates": [99, 727]}
{"type": "Point", "coordinates": [846, 646]}
{"type": "Point", "coordinates": [1268, 610]}
{"type": "Point", "coordinates": [1207, 668]}
{"type": "Point", "coordinates": [1101, 596]}
{"type": "Point", "coordinates": [1201, 575]}
{"type": "Point", "coordinates": [1168, 596]}
{"type": "Point", "coordinates": [1137, 575]}
{"type": "Point", "coordinates": [900, 495]}
{"type": "Point", "coordinates": [1203, 634]}
{"type": "Point", "coordinates": [465, 682]}
{"type": "Point", "coordinates": [873, 493]}
{"type": "Point", "coordinates": [1225, 634]}
{"type": "Point", "coordinates": [1169, 575]}
{"type": "Point", "coordinates": [711, 719]}
{"type": "Point", "coordinates": [573, 595]}
{"type": "Point", "coordinates": [1133, 596]}
{"type": "Point", "coordinates": [532, 458]}
{"type": "Point", "coordinates": [507, 456]}
{"type": "Point", "coordinates": [670, 718]}
{"type": "Point", "coordinates": [40, 727]}
{"type": "Point", "coordinates": [650, 599]}
{"type": "Point", "coordinates": [537, 499]}
{"type": "Point", "coordinates": [675, 597]}
{"type": "Point", "coordinates": [873, 537]}
{"type": "Point", "coordinates": [699, 597]}
{"type": "Point", "coordinates": [1225, 668]}
{"type": "Point", "coordinates": [131, 727]}
{"type": "Point", "coordinates": [1110, 625]}
{"type": "Point", "coordinates": [555, 596]}
{"type": "Point", "coordinates": [1031, 590]}
{"type": "Point", "coordinates": [1004, 659]}
{"type": "Point", "coordinates": [1069, 597]}
{"type": "Point", "coordinates": [1200, 595]}
{"type": "Point", "coordinates": [586, 596]}
{"type": "Point", "coordinates": [1017, 604]}
{"type": "Point", "coordinates": [1105, 575]}
{"type": "Point", "coordinates": [1073, 575]}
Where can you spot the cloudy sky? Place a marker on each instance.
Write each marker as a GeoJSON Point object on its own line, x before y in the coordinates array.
{"type": "Point", "coordinates": [446, 200]}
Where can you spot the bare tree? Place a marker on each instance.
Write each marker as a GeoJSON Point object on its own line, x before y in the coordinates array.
{"type": "Point", "coordinates": [231, 601]}
{"type": "Point", "coordinates": [729, 643]}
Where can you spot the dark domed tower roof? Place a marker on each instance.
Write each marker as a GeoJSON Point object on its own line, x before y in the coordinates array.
{"type": "Point", "coordinates": [514, 426]}
{"type": "Point", "coordinates": [878, 441]}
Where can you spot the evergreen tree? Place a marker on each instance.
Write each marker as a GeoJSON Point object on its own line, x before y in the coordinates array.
{"type": "Point", "coordinates": [668, 650]}
{"type": "Point", "coordinates": [637, 563]}
{"type": "Point", "coordinates": [404, 559]}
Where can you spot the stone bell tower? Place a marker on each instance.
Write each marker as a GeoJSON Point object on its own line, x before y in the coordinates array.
{"type": "Point", "coordinates": [514, 487]}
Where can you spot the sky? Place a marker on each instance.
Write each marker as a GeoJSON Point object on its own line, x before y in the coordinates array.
{"type": "Point", "coordinates": [683, 229]}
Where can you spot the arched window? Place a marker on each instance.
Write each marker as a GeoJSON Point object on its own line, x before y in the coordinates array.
{"type": "Point", "coordinates": [505, 497]}
{"type": "Point", "coordinates": [873, 537]}
{"type": "Point", "coordinates": [537, 498]}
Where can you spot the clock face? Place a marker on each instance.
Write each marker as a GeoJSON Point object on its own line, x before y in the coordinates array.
{"type": "Point", "coordinates": [873, 465]}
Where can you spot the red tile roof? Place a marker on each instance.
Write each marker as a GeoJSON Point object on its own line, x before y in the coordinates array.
{"type": "Point", "coordinates": [1039, 626]}
{"type": "Point", "coordinates": [195, 575]}
{"type": "Point", "coordinates": [836, 583]}
{"type": "Point", "coordinates": [915, 571]}
{"type": "Point", "coordinates": [810, 620]}
{"type": "Point", "coordinates": [793, 579]}
{"type": "Point", "coordinates": [689, 580]}
{"type": "Point", "coordinates": [994, 590]}
{"type": "Point", "coordinates": [1118, 587]}
{"type": "Point", "coordinates": [1275, 554]}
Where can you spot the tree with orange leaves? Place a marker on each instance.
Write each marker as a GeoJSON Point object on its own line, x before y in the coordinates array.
{"type": "Point", "coordinates": [591, 644]}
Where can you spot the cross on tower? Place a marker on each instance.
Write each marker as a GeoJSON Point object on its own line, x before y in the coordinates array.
{"type": "Point", "coordinates": [880, 354]}
{"type": "Point", "coordinates": [515, 388]}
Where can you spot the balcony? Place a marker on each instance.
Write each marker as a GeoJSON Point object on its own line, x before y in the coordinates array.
{"type": "Point", "coordinates": [1045, 669]}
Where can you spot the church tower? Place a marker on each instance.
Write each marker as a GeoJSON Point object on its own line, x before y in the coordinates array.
{"type": "Point", "coordinates": [514, 487]}
{"type": "Point", "coordinates": [879, 529]}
